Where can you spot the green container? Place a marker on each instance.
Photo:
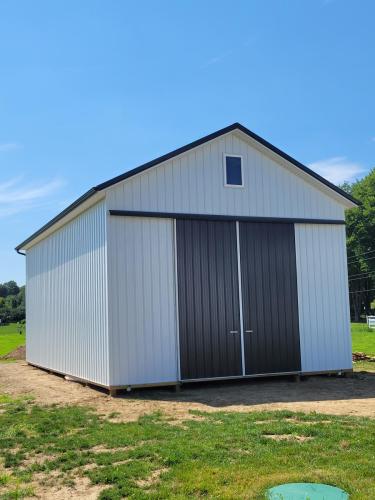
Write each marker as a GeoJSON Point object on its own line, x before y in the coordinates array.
{"type": "Point", "coordinates": [306, 491]}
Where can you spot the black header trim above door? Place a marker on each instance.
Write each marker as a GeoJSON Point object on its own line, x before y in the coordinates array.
{"type": "Point", "coordinates": [173, 215]}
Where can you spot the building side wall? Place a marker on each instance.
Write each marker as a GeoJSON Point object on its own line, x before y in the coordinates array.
{"type": "Point", "coordinates": [194, 183]}
{"type": "Point", "coordinates": [66, 299]}
{"type": "Point", "coordinates": [142, 301]}
{"type": "Point", "coordinates": [324, 318]}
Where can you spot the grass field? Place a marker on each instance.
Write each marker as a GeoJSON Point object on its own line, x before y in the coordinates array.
{"type": "Point", "coordinates": [363, 339]}
{"type": "Point", "coordinates": [217, 456]}
{"type": "Point", "coordinates": [10, 339]}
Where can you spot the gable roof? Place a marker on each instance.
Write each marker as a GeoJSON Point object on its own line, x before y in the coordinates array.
{"type": "Point", "coordinates": [176, 152]}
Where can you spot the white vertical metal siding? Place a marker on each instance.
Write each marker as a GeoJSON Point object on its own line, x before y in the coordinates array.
{"type": "Point", "coordinates": [194, 183]}
{"type": "Point", "coordinates": [324, 318]}
{"type": "Point", "coordinates": [142, 306]}
{"type": "Point", "coordinates": [66, 299]}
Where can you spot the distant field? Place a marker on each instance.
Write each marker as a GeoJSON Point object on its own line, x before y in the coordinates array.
{"type": "Point", "coordinates": [10, 339]}
{"type": "Point", "coordinates": [363, 339]}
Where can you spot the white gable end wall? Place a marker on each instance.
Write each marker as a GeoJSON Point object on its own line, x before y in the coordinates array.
{"type": "Point", "coordinates": [194, 183]}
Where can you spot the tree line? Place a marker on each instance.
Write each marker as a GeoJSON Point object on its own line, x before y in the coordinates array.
{"type": "Point", "coordinates": [12, 302]}
{"type": "Point", "coordinates": [360, 233]}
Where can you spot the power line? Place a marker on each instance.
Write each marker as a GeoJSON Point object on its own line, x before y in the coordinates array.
{"type": "Point", "coordinates": [365, 260]}
{"type": "Point", "coordinates": [361, 274]}
{"type": "Point", "coordinates": [361, 291]}
{"type": "Point", "coordinates": [362, 277]}
{"type": "Point", "coordinates": [360, 255]}
{"type": "Point", "coordinates": [364, 273]}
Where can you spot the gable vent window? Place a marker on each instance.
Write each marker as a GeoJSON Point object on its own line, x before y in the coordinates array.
{"type": "Point", "coordinates": [233, 171]}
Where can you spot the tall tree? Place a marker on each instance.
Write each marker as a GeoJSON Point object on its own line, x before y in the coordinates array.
{"type": "Point", "coordinates": [12, 287]}
{"type": "Point", "coordinates": [12, 302]}
{"type": "Point", "coordinates": [360, 230]}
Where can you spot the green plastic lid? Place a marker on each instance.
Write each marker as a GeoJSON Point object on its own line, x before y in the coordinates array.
{"type": "Point", "coordinates": [306, 491]}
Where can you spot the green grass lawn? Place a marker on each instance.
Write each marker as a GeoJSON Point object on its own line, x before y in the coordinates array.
{"type": "Point", "coordinates": [217, 455]}
{"type": "Point", "coordinates": [363, 339]}
{"type": "Point", "coordinates": [10, 339]}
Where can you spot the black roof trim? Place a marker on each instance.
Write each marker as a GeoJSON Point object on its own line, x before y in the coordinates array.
{"type": "Point", "coordinates": [62, 214]}
{"type": "Point", "coordinates": [301, 166]}
{"type": "Point", "coordinates": [240, 218]}
{"type": "Point", "coordinates": [176, 152]}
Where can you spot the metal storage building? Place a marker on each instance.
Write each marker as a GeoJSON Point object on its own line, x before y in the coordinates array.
{"type": "Point", "coordinates": [224, 258]}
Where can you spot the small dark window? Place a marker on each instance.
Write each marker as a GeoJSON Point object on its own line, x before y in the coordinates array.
{"type": "Point", "coordinates": [233, 171]}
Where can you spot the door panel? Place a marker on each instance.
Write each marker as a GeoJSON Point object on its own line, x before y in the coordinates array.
{"type": "Point", "coordinates": [269, 294]}
{"type": "Point", "coordinates": [208, 299]}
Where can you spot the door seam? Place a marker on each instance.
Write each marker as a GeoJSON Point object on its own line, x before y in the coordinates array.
{"type": "Point", "coordinates": [240, 296]}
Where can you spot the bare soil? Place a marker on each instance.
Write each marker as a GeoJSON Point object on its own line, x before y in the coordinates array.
{"type": "Point", "coordinates": [323, 394]}
{"type": "Point", "coordinates": [361, 356]}
{"type": "Point", "coordinates": [18, 353]}
{"type": "Point", "coordinates": [288, 437]}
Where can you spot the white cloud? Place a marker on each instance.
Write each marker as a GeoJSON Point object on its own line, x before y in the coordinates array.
{"type": "Point", "coordinates": [10, 146]}
{"type": "Point", "coordinates": [338, 169]}
{"type": "Point", "coordinates": [17, 196]}
{"type": "Point", "coordinates": [217, 59]}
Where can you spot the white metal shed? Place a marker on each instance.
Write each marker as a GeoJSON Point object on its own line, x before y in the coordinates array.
{"type": "Point", "coordinates": [225, 258]}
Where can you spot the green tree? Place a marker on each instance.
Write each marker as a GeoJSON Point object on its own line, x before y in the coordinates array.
{"type": "Point", "coordinates": [12, 287]}
{"type": "Point", "coordinates": [12, 302]}
{"type": "Point", "coordinates": [360, 230]}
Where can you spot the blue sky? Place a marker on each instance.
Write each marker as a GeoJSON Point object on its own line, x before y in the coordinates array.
{"type": "Point", "coordinates": [90, 89]}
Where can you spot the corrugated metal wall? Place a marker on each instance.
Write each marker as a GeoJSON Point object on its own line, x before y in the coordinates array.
{"type": "Point", "coordinates": [323, 297]}
{"type": "Point", "coordinates": [66, 299]}
{"type": "Point", "coordinates": [194, 183]}
{"type": "Point", "coordinates": [142, 305]}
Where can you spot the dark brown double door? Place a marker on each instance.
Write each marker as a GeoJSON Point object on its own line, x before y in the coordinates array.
{"type": "Point", "coordinates": [214, 342]}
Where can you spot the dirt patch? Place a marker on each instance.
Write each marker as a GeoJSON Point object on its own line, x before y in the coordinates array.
{"type": "Point", "coordinates": [39, 459]}
{"type": "Point", "coordinates": [361, 356]}
{"type": "Point", "coordinates": [103, 449]}
{"type": "Point", "coordinates": [81, 489]}
{"type": "Point", "coordinates": [19, 353]}
{"type": "Point", "coordinates": [262, 422]}
{"type": "Point", "coordinates": [329, 395]}
{"type": "Point", "coordinates": [288, 437]}
{"type": "Point", "coordinates": [94, 466]}
{"type": "Point", "coordinates": [190, 416]}
{"type": "Point", "coordinates": [296, 421]}
{"type": "Point", "coordinates": [152, 479]}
